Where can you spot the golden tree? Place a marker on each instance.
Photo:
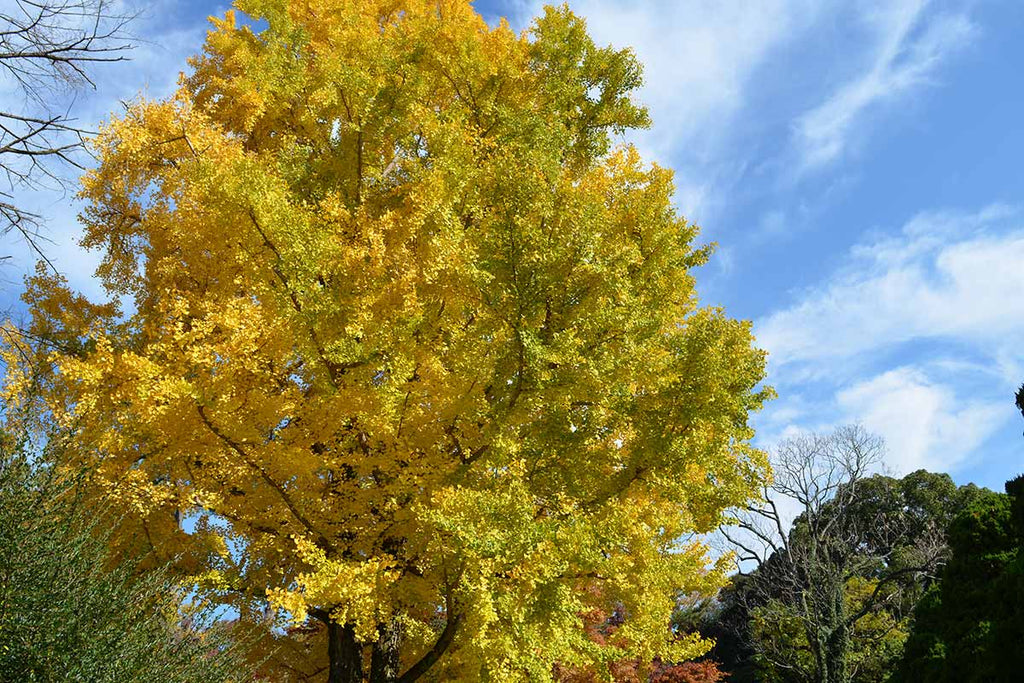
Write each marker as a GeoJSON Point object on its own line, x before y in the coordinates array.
{"type": "Point", "coordinates": [414, 346]}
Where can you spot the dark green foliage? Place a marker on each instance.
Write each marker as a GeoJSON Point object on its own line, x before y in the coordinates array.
{"type": "Point", "coordinates": [66, 615]}
{"type": "Point", "coordinates": [970, 626]}
{"type": "Point", "coordinates": [724, 620]}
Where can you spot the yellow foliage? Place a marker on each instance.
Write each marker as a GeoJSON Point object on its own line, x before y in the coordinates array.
{"type": "Point", "coordinates": [407, 326]}
{"type": "Point", "coordinates": [358, 592]}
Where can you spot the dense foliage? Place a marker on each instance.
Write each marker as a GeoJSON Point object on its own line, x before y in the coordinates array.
{"type": "Point", "coordinates": [417, 350]}
{"type": "Point", "coordinates": [603, 628]}
{"type": "Point", "coordinates": [969, 627]}
{"type": "Point", "coordinates": [67, 614]}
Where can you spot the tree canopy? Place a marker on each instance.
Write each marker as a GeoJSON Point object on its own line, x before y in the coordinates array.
{"type": "Point", "coordinates": [970, 625]}
{"type": "Point", "coordinates": [409, 343]}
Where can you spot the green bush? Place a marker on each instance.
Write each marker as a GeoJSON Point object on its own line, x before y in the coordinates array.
{"type": "Point", "coordinates": [68, 613]}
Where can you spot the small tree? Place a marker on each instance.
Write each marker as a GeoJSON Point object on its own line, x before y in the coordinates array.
{"type": "Point", "coordinates": [858, 546]}
{"type": "Point", "coordinates": [67, 614]}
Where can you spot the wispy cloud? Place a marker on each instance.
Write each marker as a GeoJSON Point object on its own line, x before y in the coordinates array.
{"type": "Point", "coordinates": [909, 46]}
{"type": "Point", "coordinates": [925, 424]}
{"type": "Point", "coordinates": [916, 336]}
{"type": "Point", "coordinates": [947, 275]}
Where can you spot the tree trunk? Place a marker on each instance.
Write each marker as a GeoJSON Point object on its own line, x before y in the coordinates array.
{"type": "Point", "coordinates": [345, 654]}
{"type": "Point", "coordinates": [835, 654]}
{"type": "Point", "coordinates": [828, 636]}
{"type": "Point", "coordinates": [818, 646]}
{"type": "Point", "coordinates": [837, 644]}
{"type": "Point", "coordinates": [384, 666]}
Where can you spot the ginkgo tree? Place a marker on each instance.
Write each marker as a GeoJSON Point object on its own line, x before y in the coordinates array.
{"type": "Point", "coordinates": [409, 344]}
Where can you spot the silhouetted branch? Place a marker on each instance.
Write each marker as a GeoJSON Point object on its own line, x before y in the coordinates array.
{"type": "Point", "coordinates": [47, 51]}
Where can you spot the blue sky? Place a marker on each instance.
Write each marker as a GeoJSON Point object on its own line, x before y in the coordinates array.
{"type": "Point", "coordinates": [857, 161]}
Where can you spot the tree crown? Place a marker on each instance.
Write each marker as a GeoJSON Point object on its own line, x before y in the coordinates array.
{"type": "Point", "coordinates": [407, 336]}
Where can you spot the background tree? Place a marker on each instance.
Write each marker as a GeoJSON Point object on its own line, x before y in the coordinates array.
{"type": "Point", "coordinates": [970, 625]}
{"type": "Point", "coordinates": [726, 620]}
{"type": "Point", "coordinates": [66, 614]}
{"type": "Point", "coordinates": [48, 50]}
{"type": "Point", "coordinates": [831, 594]}
{"type": "Point", "coordinates": [410, 339]}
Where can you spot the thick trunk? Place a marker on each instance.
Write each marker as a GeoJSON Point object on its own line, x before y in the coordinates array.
{"type": "Point", "coordinates": [828, 635]}
{"type": "Point", "coordinates": [835, 654]}
{"type": "Point", "coordinates": [384, 666]}
{"type": "Point", "coordinates": [345, 654]}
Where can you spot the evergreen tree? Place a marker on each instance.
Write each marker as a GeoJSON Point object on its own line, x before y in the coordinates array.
{"type": "Point", "coordinates": [970, 626]}
{"type": "Point", "coordinates": [68, 614]}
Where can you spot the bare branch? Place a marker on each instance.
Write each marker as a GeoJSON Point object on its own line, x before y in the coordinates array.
{"type": "Point", "coordinates": [48, 50]}
{"type": "Point", "coordinates": [847, 524]}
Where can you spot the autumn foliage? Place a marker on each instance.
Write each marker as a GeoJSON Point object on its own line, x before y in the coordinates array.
{"type": "Point", "coordinates": [601, 627]}
{"type": "Point", "coordinates": [398, 342]}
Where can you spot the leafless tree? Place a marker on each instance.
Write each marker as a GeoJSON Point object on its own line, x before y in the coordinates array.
{"type": "Point", "coordinates": [48, 50]}
{"type": "Point", "coordinates": [843, 529]}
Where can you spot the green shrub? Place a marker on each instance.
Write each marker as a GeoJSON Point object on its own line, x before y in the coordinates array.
{"type": "Point", "coordinates": [68, 613]}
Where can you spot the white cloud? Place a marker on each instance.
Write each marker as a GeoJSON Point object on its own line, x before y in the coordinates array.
{"type": "Point", "coordinates": [934, 281]}
{"type": "Point", "coordinates": [917, 337]}
{"type": "Point", "coordinates": [908, 47]}
{"type": "Point", "coordinates": [924, 423]}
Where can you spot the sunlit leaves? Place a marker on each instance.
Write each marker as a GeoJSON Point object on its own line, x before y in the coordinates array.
{"type": "Point", "coordinates": [409, 325]}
